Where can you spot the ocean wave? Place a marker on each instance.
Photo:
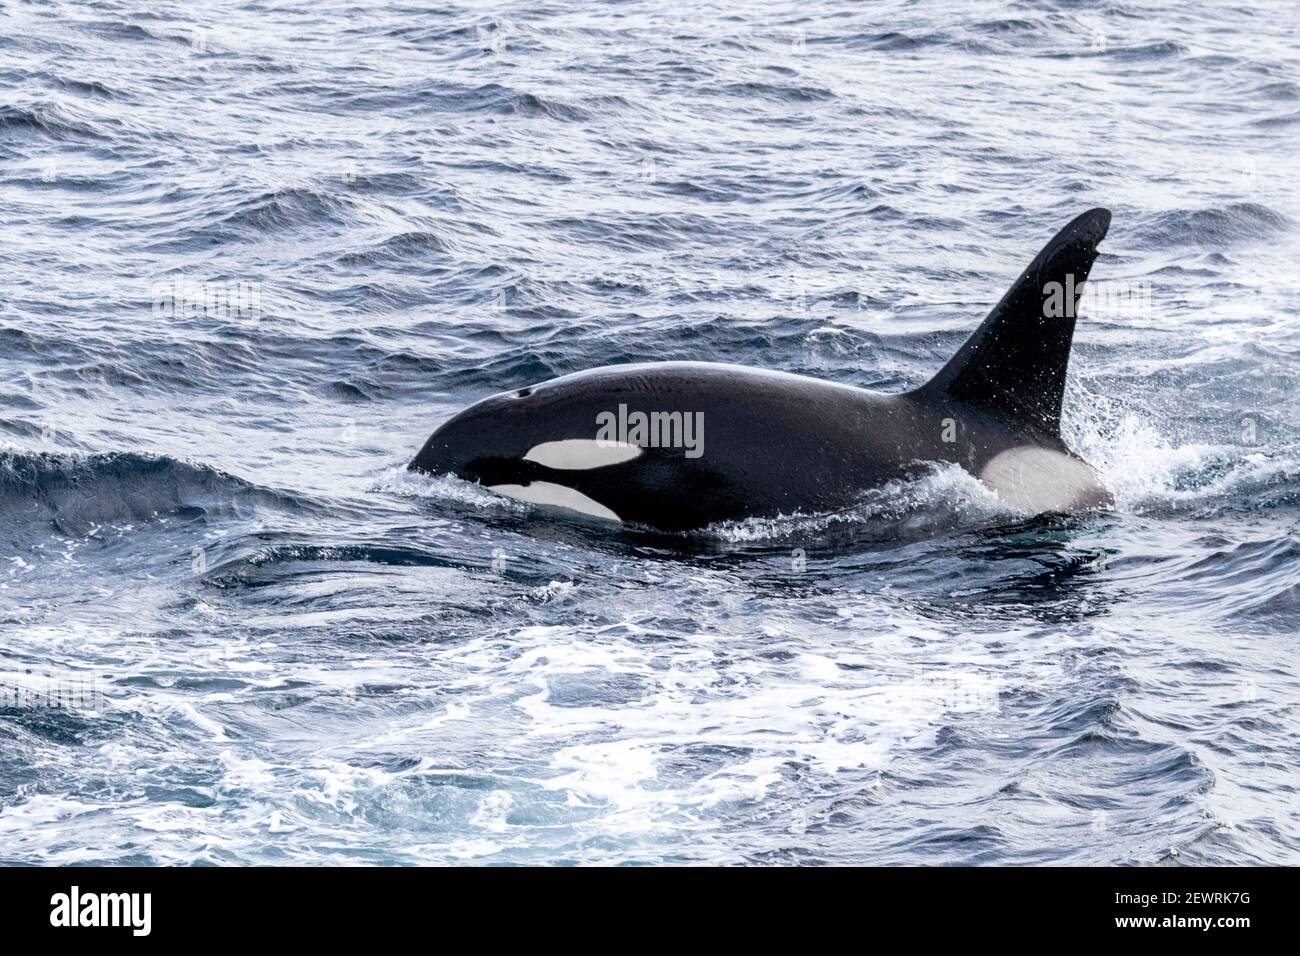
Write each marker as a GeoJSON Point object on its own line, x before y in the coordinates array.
{"type": "Point", "coordinates": [419, 248]}
{"type": "Point", "coordinates": [1213, 227]}
{"type": "Point", "coordinates": [1279, 90]}
{"type": "Point", "coordinates": [76, 494]}
{"type": "Point", "coordinates": [263, 562]}
{"type": "Point", "coordinates": [1253, 581]}
{"type": "Point", "coordinates": [1277, 122]}
{"type": "Point", "coordinates": [1137, 53]}
{"type": "Point", "coordinates": [493, 98]}
{"type": "Point", "coordinates": [289, 208]}
{"type": "Point", "coordinates": [51, 119]}
{"type": "Point", "coordinates": [893, 41]}
{"type": "Point", "coordinates": [784, 92]}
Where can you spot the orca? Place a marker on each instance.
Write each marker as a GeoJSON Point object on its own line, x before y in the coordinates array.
{"type": "Point", "coordinates": [679, 445]}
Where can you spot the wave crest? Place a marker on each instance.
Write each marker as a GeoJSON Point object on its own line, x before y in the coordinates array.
{"type": "Point", "coordinates": [78, 494]}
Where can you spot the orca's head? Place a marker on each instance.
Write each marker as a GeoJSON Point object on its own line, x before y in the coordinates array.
{"type": "Point", "coordinates": [534, 444]}
{"type": "Point", "coordinates": [486, 442]}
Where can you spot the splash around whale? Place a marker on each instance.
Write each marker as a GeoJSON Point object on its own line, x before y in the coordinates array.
{"type": "Point", "coordinates": [627, 442]}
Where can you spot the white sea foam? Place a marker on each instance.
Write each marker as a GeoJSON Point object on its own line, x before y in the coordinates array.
{"type": "Point", "coordinates": [400, 481]}
{"type": "Point", "coordinates": [946, 498]}
{"type": "Point", "coordinates": [1146, 467]}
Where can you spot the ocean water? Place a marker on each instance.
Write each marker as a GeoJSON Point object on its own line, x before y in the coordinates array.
{"type": "Point", "coordinates": [255, 252]}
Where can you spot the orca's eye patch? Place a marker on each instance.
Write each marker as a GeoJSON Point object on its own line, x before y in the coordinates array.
{"type": "Point", "coordinates": [582, 454]}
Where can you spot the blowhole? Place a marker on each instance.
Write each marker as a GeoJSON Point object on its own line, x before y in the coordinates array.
{"type": "Point", "coordinates": [523, 393]}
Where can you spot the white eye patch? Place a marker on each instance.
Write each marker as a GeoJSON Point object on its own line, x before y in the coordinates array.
{"type": "Point", "coordinates": [556, 496]}
{"type": "Point", "coordinates": [581, 454]}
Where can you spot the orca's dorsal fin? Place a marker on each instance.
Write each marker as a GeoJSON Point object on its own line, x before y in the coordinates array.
{"type": "Point", "coordinates": [1015, 362]}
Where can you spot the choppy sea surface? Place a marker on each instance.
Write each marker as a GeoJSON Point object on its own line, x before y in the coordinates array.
{"type": "Point", "coordinates": [254, 253]}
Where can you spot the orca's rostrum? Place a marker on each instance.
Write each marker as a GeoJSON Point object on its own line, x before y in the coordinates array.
{"type": "Point", "coordinates": [679, 445]}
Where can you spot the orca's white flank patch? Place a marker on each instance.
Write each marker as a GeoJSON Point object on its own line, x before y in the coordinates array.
{"type": "Point", "coordinates": [1040, 480]}
{"type": "Point", "coordinates": [580, 454]}
{"type": "Point", "coordinates": [557, 496]}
